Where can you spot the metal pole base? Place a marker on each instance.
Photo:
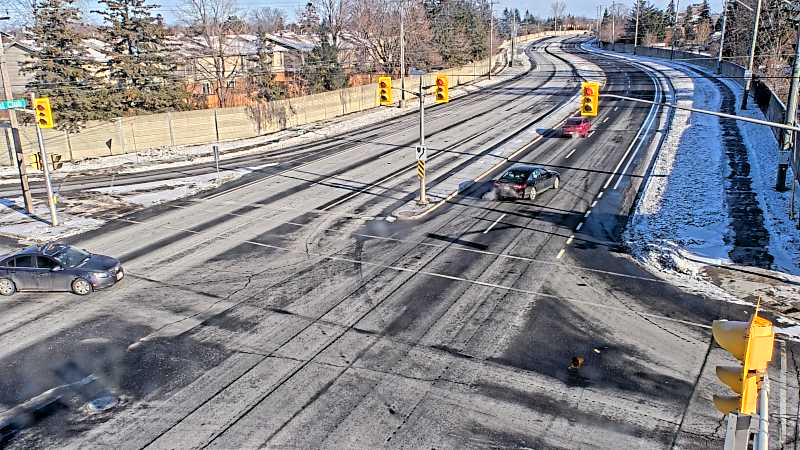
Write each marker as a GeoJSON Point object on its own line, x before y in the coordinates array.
{"type": "Point", "coordinates": [780, 183]}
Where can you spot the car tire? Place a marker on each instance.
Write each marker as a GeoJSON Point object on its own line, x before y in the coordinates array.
{"type": "Point", "coordinates": [556, 182]}
{"type": "Point", "coordinates": [81, 287]}
{"type": "Point", "coordinates": [532, 195]}
{"type": "Point", "coordinates": [7, 287]}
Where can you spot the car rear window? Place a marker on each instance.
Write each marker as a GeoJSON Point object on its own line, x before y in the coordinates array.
{"type": "Point", "coordinates": [515, 176]}
{"type": "Point", "coordinates": [574, 121]}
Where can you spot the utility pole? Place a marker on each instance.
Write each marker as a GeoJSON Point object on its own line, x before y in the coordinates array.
{"type": "Point", "coordinates": [749, 72]}
{"type": "Point", "coordinates": [598, 24]}
{"type": "Point", "coordinates": [791, 118]}
{"type": "Point", "coordinates": [513, 37]}
{"type": "Point", "coordinates": [402, 102]}
{"type": "Point", "coordinates": [674, 30]}
{"type": "Point", "coordinates": [636, 33]}
{"type": "Point", "coordinates": [15, 140]}
{"type": "Point", "coordinates": [43, 155]}
{"type": "Point", "coordinates": [491, 37]}
{"type": "Point", "coordinates": [722, 39]}
{"type": "Point", "coordinates": [613, 28]}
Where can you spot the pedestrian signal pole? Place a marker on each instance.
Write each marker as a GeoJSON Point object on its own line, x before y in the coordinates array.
{"type": "Point", "coordinates": [43, 116]}
{"type": "Point", "coordinates": [422, 152]}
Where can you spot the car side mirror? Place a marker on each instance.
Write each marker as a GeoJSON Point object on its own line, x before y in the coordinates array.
{"type": "Point", "coordinates": [56, 269]}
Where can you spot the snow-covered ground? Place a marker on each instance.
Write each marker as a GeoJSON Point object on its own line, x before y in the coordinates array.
{"type": "Point", "coordinates": [79, 212]}
{"type": "Point", "coordinates": [682, 220]}
{"type": "Point", "coordinates": [682, 213]}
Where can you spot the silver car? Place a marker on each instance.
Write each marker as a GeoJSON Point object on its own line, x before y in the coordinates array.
{"type": "Point", "coordinates": [57, 267]}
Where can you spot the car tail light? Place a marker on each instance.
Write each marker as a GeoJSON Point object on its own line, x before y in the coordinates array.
{"type": "Point", "coordinates": [519, 186]}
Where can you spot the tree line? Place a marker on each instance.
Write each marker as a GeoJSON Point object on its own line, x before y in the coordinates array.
{"type": "Point", "coordinates": [134, 71]}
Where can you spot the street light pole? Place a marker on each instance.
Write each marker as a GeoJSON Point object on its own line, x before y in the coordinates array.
{"type": "Point", "coordinates": [674, 30]}
{"type": "Point", "coordinates": [791, 118]}
{"type": "Point", "coordinates": [15, 141]}
{"type": "Point", "coordinates": [722, 39]}
{"type": "Point", "coordinates": [636, 32]}
{"type": "Point", "coordinates": [402, 103]}
{"type": "Point", "coordinates": [749, 73]}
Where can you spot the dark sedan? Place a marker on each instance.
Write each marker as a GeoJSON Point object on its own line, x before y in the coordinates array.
{"type": "Point", "coordinates": [57, 267]}
{"type": "Point", "coordinates": [524, 181]}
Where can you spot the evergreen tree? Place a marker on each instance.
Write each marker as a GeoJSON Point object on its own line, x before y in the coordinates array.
{"type": "Point", "coordinates": [669, 13]}
{"type": "Point", "coordinates": [59, 65]}
{"type": "Point", "coordinates": [264, 79]}
{"type": "Point", "coordinates": [322, 70]}
{"type": "Point", "coordinates": [139, 66]}
{"type": "Point", "coordinates": [308, 19]}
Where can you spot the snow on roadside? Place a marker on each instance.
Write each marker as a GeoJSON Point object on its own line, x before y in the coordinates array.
{"type": "Point", "coordinates": [681, 220]}
{"type": "Point", "coordinates": [84, 211]}
{"type": "Point", "coordinates": [762, 149]}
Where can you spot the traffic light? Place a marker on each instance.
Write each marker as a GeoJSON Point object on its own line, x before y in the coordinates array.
{"type": "Point", "coordinates": [751, 343]}
{"type": "Point", "coordinates": [385, 91]}
{"type": "Point", "coordinates": [56, 160]}
{"type": "Point", "coordinates": [442, 95]}
{"type": "Point", "coordinates": [36, 161]}
{"type": "Point", "coordinates": [44, 116]}
{"type": "Point", "coordinates": [590, 98]}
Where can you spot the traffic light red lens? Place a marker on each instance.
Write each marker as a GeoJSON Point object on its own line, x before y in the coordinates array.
{"type": "Point", "coordinates": [440, 82]}
{"type": "Point", "coordinates": [383, 84]}
{"type": "Point", "coordinates": [588, 91]}
{"type": "Point", "coordinates": [40, 107]}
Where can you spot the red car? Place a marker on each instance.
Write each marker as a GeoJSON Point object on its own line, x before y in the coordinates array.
{"type": "Point", "coordinates": [576, 126]}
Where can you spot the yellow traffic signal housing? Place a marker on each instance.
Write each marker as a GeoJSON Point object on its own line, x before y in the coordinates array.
{"type": "Point", "coordinates": [385, 91]}
{"type": "Point", "coordinates": [44, 115]}
{"type": "Point", "coordinates": [442, 95]}
{"type": "Point", "coordinates": [590, 98]}
{"type": "Point", "coordinates": [36, 161]}
{"type": "Point", "coordinates": [752, 343]}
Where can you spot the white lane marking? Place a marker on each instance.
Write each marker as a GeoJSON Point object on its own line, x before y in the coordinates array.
{"type": "Point", "coordinates": [605, 120]}
{"type": "Point", "coordinates": [600, 195]}
{"type": "Point", "coordinates": [571, 237]}
{"type": "Point", "coordinates": [493, 224]}
{"type": "Point", "coordinates": [594, 203]}
{"type": "Point", "coordinates": [782, 390]}
{"type": "Point", "coordinates": [648, 123]}
{"type": "Point", "coordinates": [578, 228]}
{"type": "Point", "coordinates": [560, 254]}
{"type": "Point", "coordinates": [616, 108]}
{"type": "Point", "coordinates": [587, 213]}
{"type": "Point", "coordinates": [570, 153]}
{"type": "Point", "coordinates": [333, 257]}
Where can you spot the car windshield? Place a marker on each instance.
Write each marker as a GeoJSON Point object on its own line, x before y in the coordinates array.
{"type": "Point", "coordinates": [574, 121]}
{"type": "Point", "coordinates": [515, 176]}
{"type": "Point", "coordinates": [70, 256]}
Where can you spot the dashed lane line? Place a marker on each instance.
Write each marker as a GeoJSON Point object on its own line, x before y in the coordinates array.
{"type": "Point", "coordinates": [494, 223]}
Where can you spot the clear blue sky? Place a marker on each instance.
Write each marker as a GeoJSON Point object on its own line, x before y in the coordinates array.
{"type": "Point", "coordinates": [539, 8]}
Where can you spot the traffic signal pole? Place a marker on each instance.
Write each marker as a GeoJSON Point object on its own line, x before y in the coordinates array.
{"type": "Point", "coordinates": [43, 155]}
{"type": "Point", "coordinates": [15, 141]}
{"type": "Point", "coordinates": [423, 152]}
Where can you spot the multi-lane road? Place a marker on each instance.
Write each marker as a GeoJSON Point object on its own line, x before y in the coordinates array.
{"type": "Point", "coordinates": [285, 310]}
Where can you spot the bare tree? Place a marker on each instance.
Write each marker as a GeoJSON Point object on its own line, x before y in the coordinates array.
{"type": "Point", "coordinates": [558, 7]}
{"type": "Point", "coordinates": [382, 37]}
{"type": "Point", "coordinates": [267, 20]}
{"type": "Point", "coordinates": [213, 21]}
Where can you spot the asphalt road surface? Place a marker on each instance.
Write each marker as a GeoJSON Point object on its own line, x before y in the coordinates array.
{"type": "Point", "coordinates": [284, 310]}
